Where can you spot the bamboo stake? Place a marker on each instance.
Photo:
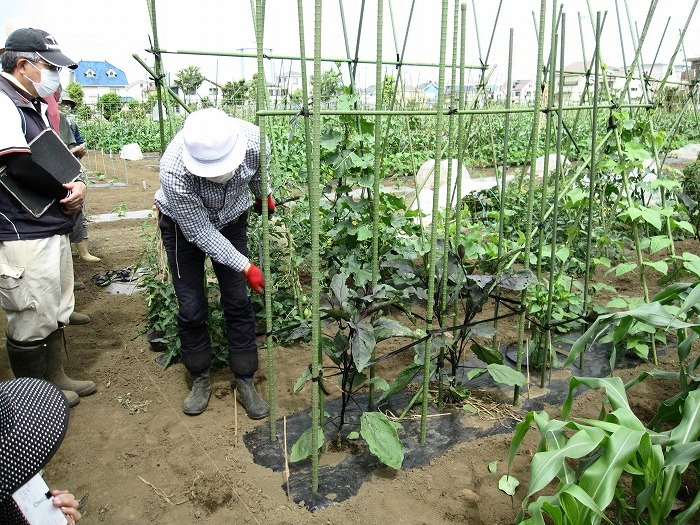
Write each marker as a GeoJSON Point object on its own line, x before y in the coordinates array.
{"type": "Point", "coordinates": [235, 418]}
{"type": "Point", "coordinates": [286, 458]}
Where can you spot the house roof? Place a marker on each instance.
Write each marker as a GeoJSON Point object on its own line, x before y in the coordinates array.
{"type": "Point", "coordinates": [98, 73]}
{"type": "Point", "coordinates": [580, 67]}
{"type": "Point", "coordinates": [426, 85]}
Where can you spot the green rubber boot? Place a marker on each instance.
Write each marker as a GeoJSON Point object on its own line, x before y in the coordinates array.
{"type": "Point", "coordinates": [29, 360]}
{"type": "Point", "coordinates": [54, 367]}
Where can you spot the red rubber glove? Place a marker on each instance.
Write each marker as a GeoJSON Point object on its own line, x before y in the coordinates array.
{"type": "Point", "coordinates": [270, 205]}
{"type": "Point", "coordinates": [255, 278]}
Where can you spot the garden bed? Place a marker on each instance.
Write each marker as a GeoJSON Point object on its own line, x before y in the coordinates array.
{"type": "Point", "coordinates": [141, 460]}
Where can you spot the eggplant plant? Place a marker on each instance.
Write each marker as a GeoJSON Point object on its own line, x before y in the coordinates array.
{"type": "Point", "coordinates": [359, 316]}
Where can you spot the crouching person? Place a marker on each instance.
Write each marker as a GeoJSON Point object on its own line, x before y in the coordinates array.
{"type": "Point", "coordinates": [207, 175]}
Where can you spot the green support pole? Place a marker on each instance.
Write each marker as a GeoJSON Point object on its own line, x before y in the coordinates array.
{"type": "Point", "coordinates": [158, 75]}
{"type": "Point", "coordinates": [264, 168]}
{"type": "Point", "coordinates": [377, 174]}
{"type": "Point", "coordinates": [534, 141]}
{"type": "Point", "coordinates": [427, 357]}
{"type": "Point", "coordinates": [314, 203]}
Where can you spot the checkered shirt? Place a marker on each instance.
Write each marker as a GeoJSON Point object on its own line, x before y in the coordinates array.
{"type": "Point", "coordinates": [201, 207]}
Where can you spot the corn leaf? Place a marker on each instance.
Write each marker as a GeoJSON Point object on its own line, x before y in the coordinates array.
{"type": "Point", "coordinates": [548, 464]}
{"type": "Point", "coordinates": [682, 454]}
{"type": "Point", "coordinates": [601, 478]}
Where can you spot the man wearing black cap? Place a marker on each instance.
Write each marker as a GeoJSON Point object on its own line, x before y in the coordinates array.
{"type": "Point", "coordinates": [36, 268]}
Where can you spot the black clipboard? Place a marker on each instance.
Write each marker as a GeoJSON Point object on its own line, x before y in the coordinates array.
{"type": "Point", "coordinates": [49, 151]}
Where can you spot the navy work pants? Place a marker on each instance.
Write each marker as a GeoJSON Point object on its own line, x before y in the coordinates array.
{"type": "Point", "coordinates": [186, 263]}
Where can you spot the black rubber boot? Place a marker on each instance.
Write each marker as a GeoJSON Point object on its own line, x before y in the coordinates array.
{"type": "Point", "coordinates": [54, 367]}
{"type": "Point", "coordinates": [198, 398]}
{"type": "Point", "coordinates": [29, 360]}
{"type": "Point", "coordinates": [246, 395]}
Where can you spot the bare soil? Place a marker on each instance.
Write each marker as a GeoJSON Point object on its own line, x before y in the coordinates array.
{"type": "Point", "coordinates": [141, 460]}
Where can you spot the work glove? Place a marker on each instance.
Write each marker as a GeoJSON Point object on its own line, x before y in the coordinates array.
{"type": "Point", "coordinates": [255, 278]}
{"type": "Point", "coordinates": [257, 206]}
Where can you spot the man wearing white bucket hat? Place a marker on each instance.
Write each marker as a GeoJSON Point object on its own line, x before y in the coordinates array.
{"type": "Point", "coordinates": [207, 175]}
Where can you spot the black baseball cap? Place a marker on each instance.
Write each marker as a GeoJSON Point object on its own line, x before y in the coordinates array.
{"type": "Point", "coordinates": [41, 43]}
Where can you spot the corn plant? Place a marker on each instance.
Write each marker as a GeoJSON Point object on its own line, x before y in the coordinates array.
{"type": "Point", "coordinates": [590, 458]}
{"type": "Point", "coordinates": [652, 459]}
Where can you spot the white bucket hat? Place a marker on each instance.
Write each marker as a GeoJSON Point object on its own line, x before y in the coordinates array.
{"type": "Point", "coordinates": [213, 143]}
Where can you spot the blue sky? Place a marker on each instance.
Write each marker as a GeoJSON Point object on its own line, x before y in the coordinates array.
{"type": "Point", "coordinates": [112, 31]}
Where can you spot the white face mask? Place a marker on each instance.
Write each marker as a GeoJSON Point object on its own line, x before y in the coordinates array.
{"type": "Point", "coordinates": [222, 179]}
{"type": "Point", "coordinates": [50, 80]}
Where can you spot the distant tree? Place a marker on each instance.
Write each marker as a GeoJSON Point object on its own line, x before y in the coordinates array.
{"type": "Point", "coordinates": [297, 97]}
{"type": "Point", "coordinates": [234, 93]}
{"type": "Point", "coordinates": [135, 110]}
{"type": "Point", "coordinates": [109, 104]}
{"type": "Point", "coordinates": [331, 83]}
{"type": "Point", "coordinates": [75, 91]}
{"type": "Point", "coordinates": [189, 80]}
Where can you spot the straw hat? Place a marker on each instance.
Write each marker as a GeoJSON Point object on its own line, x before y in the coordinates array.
{"type": "Point", "coordinates": [33, 423]}
{"type": "Point", "coordinates": [214, 144]}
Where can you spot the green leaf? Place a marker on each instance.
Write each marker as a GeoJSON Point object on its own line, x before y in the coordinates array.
{"type": "Point", "coordinates": [633, 212]}
{"type": "Point", "coordinates": [505, 375]}
{"type": "Point", "coordinates": [384, 328]}
{"type": "Point", "coordinates": [382, 438]}
{"type": "Point", "coordinates": [303, 379]}
{"type": "Point", "coordinates": [623, 268]}
{"type": "Point", "coordinates": [684, 225]}
{"type": "Point", "coordinates": [340, 289]}
{"type": "Point", "coordinates": [659, 242]}
{"type": "Point", "coordinates": [682, 454]}
{"type": "Point", "coordinates": [689, 427]}
{"type": "Point", "coordinates": [659, 266]}
{"type": "Point", "coordinates": [547, 464]}
{"type": "Point", "coordinates": [601, 478]}
{"type": "Point", "coordinates": [651, 216]}
{"type": "Point", "coordinates": [617, 302]}
{"type": "Point", "coordinates": [563, 253]}
{"type": "Point", "coordinates": [302, 449]}
{"type": "Point", "coordinates": [508, 484]}
{"type": "Point", "coordinates": [354, 435]}
{"type": "Point", "coordinates": [364, 232]}
{"type": "Point", "coordinates": [493, 466]}
{"type": "Point", "coordinates": [401, 381]}
{"type": "Point", "coordinates": [330, 140]}
{"type": "Point", "coordinates": [487, 355]}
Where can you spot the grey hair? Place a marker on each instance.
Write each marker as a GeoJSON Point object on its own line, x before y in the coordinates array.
{"type": "Point", "coordinates": [10, 59]}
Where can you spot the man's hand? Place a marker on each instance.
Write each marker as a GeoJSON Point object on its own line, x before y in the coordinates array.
{"type": "Point", "coordinates": [257, 206]}
{"type": "Point", "coordinates": [255, 278]}
{"type": "Point", "coordinates": [76, 196]}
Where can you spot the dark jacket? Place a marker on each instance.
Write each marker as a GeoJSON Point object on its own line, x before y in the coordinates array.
{"type": "Point", "coordinates": [16, 223]}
